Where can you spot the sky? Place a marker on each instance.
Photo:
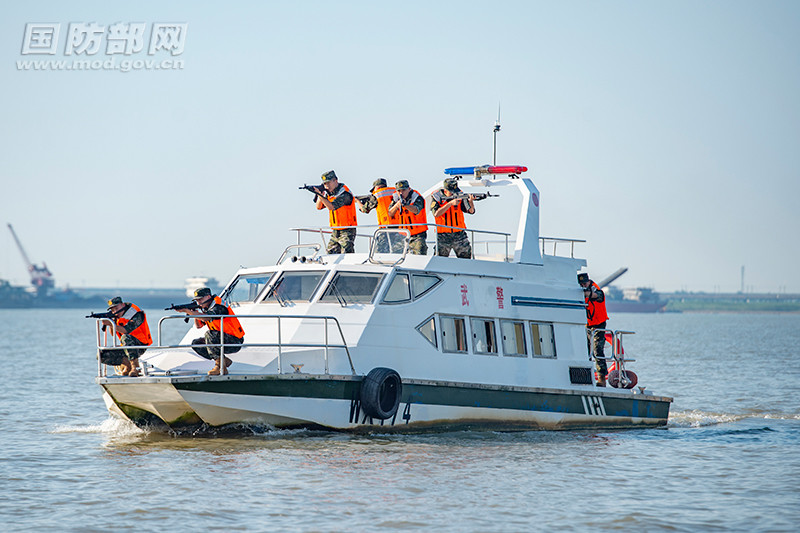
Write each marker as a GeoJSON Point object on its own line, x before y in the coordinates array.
{"type": "Point", "coordinates": [664, 134]}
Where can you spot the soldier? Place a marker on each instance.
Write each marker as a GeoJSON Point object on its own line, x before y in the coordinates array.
{"type": "Point", "coordinates": [380, 199]}
{"type": "Point", "coordinates": [132, 330]}
{"type": "Point", "coordinates": [410, 205]}
{"type": "Point", "coordinates": [342, 213]}
{"type": "Point", "coordinates": [233, 334]}
{"type": "Point", "coordinates": [449, 211]}
{"type": "Point", "coordinates": [596, 317]}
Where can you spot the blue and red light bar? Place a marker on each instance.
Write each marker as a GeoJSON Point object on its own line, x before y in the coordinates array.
{"type": "Point", "coordinates": [485, 169]}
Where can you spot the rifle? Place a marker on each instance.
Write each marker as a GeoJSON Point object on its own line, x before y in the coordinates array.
{"type": "Point", "coordinates": [178, 307]}
{"type": "Point", "coordinates": [363, 198]}
{"type": "Point", "coordinates": [312, 188]}
{"type": "Point", "coordinates": [476, 196]}
{"type": "Point", "coordinates": [107, 314]}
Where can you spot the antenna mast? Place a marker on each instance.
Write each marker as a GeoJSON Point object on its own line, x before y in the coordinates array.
{"type": "Point", "coordinates": [495, 130]}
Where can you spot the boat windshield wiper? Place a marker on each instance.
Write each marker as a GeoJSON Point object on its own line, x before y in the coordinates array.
{"type": "Point", "coordinates": [338, 293]}
{"type": "Point", "coordinates": [275, 291]}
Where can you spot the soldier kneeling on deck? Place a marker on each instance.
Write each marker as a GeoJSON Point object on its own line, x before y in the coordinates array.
{"type": "Point", "coordinates": [232, 333]}
{"type": "Point", "coordinates": [132, 330]}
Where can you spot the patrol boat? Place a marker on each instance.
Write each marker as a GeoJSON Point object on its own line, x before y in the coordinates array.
{"type": "Point", "coordinates": [397, 342]}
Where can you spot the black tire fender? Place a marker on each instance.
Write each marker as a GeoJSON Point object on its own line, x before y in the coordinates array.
{"type": "Point", "coordinates": [380, 393]}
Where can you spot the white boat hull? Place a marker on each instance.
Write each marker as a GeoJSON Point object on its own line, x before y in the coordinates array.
{"type": "Point", "coordinates": [332, 402]}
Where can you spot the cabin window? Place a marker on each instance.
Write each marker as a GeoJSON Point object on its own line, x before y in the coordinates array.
{"type": "Point", "coordinates": [513, 337]}
{"type": "Point", "coordinates": [399, 291]}
{"type": "Point", "coordinates": [352, 288]}
{"type": "Point", "coordinates": [246, 288]}
{"type": "Point", "coordinates": [483, 336]}
{"type": "Point", "coordinates": [294, 287]}
{"type": "Point", "coordinates": [543, 340]}
{"type": "Point", "coordinates": [422, 283]}
{"type": "Point", "coordinates": [454, 334]}
{"type": "Point", "coordinates": [428, 330]}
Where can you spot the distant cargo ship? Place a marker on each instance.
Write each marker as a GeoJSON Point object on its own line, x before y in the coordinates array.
{"type": "Point", "coordinates": [633, 300]}
{"type": "Point", "coordinates": [13, 297]}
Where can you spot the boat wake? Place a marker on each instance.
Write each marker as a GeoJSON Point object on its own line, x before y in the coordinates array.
{"type": "Point", "coordinates": [112, 427]}
{"type": "Point", "coordinates": [695, 418]}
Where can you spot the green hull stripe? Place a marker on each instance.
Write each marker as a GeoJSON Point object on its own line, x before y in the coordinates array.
{"type": "Point", "coordinates": [437, 395]}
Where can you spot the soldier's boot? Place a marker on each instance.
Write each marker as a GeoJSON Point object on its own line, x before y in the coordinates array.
{"type": "Point", "coordinates": [216, 370]}
{"type": "Point", "coordinates": [134, 371]}
{"type": "Point", "coordinates": [124, 367]}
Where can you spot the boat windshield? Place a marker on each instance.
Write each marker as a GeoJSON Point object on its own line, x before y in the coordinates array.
{"type": "Point", "coordinates": [401, 290]}
{"type": "Point", "coordinates": [352, 288]}
{"type": "Point", "coordinates": [246, 288]}
{"type": "Point", "coordinates": [293, 286]}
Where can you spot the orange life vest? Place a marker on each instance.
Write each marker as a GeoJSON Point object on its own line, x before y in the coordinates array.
{"type": "Point", "coordinates": [231, 323]}
{"type": "Point", "coordinates": [452, 217]}
{"type": "Point", "coordinates": [345, 215]}
{"type": "Point", "coordinates": [595, 311]}
{"type": "Point", "coordinates": [384, 197]}
{"type": "Point", "coordinates": [142, 333]}
{"type": "Point", "coordinates": [407, 217]}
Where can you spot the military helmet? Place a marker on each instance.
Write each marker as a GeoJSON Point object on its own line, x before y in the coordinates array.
{"type": "Point", "coordinates": [451, 184]}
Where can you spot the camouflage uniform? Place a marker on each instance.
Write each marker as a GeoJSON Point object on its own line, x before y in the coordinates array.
{"type": "Point", "coordinates": [385, 242]}
{"type": "Point", "coordinates": [115, 357]}
{"type": "Point", "coordinates": [369, 204]}
{"type": "Point", "coordinates": [213, 337]}
{"type": "Point", "coordinates": [342, 240]}
{"type": "Point", "coordinates": [416, 243]}
{"type": "Point", "coordinates": [458, 241]}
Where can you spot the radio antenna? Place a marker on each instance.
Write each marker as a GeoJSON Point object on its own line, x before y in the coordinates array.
{"type": "Point", "coordinates": [495, 130]}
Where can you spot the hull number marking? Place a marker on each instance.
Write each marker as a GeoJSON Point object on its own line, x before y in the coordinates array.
{"type": "Point", "coordinates": [593, 405]}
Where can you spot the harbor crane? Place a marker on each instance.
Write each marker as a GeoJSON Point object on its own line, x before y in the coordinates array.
{"type": "Point", "coordinates": [41, 277]}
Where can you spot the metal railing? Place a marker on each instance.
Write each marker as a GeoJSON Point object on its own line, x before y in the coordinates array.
{"type": "Point", "coordinates": [556, 240]}
{"type": "Point", "coordinates": [382, 229]}
{"type": "Point", "coordinates": [326, 344]}
{"type": "Point", "coordinates": [617, 351]}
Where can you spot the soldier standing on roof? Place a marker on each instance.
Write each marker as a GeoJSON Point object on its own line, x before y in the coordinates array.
{"type": "Point", "coordinates": [342, 213]}
{"type": "Point", "coordinates": [380, 199]}
{"type": "Point", "coordinates": [449, 211]}
{"type": "Point", "coordinates": [410, 205]}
